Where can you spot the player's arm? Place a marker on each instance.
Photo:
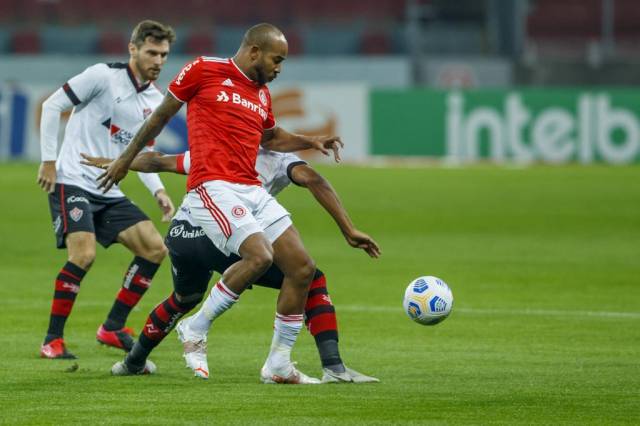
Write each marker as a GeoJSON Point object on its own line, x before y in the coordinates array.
{"type": "Point", "coordinates": [278, 139]}
{"type": "Point", "coordinates": [149, 130]}
{"type": "Point", "coordinates": [52, 108]}
{"type": "Point", "coordinates": [80, 89]}
{"type": "Point", "coordinates": [303, 175]}
{"type": "Point", "coordinates": [145, 162]}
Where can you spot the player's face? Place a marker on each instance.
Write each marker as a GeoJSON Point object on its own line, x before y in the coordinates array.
{"type": "Point", "coordinates": [269, 62]}
{"type": "Point", "coordinates": [150, 57]}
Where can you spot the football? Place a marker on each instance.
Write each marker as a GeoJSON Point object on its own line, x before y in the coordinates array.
{"type": "Point", "coordinates": [428, 300]}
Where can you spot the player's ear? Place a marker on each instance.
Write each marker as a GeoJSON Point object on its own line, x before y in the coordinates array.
{"type": "Point", "coordinates": [132, 49]}
{"type": "Point", "coordinates": [254, 53]}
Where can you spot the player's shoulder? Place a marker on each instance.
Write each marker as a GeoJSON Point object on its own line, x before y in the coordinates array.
{"type": "Point", "coordinates": [99, 70]}
{"type": "Point", "coordinates": [215, 60]}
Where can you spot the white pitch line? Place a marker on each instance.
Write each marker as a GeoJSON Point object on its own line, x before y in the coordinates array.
{"type": "Point", "coordinates": [517, 312]}
{"type": "Point", "coordinates": [21, 304]}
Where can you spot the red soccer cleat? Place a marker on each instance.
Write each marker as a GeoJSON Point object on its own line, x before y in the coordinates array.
{"type": "Point", "coordinates": [120, 339]}
{"type": "Point", "coordinates": [55, 349]}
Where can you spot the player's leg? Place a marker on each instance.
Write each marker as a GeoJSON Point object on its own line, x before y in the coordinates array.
{"type": "Point", "coordinates": [73, 225]}
{"type": "Point", "coordinates": [223, 211]}
{"type": "Point", "coordinates": [255, 259]}
{"type": "Point", "coordinates": [298, 269]}
{"type": "Point", "coordinates": [322, 322]}
{"type": "Point", "coordinates": [127, 224]}
{"type": "Point", "coordinates": [190, 281]}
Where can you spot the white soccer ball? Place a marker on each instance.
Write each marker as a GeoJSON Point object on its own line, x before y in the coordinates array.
{"type": "Point", "coordinates": [428, 300]}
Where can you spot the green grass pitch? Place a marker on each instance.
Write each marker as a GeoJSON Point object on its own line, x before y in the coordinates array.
{"type": "Point", "coordinates": [544, 263]}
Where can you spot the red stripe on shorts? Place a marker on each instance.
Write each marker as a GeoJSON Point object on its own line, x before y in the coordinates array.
{"type": "Point", "coordinates": [217, 215]}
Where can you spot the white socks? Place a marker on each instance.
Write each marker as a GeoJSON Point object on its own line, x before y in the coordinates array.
{"type": "Point", "coordinates": [219, 300]}
{"type": "Point", "coordinates": [285, 332]}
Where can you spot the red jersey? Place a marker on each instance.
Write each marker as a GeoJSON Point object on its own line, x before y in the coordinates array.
{"type": "Point", "coordinates": [227, 113]}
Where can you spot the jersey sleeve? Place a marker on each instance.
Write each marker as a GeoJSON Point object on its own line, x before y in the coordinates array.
{"type": "Point", "coordinates": [83, 87]}
{"type": "Point", "coordinates": [183, 163]}
{"type": "Point", "coordinates": [289, 161]}
{"type": "Point", "coordinates": [186, 84]}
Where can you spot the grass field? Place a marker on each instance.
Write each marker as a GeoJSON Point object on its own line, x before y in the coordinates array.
{"type": "Point", "coordinates": [543, 262]}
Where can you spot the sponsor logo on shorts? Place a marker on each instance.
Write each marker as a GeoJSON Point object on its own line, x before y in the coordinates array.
{"type": "Point", "coordinates": [75, 214]}
{"type": "Point", "coordinates": [75, 199]}
{"type": "Point", "coordinates": [57, 223]}
{"type": "Point", "coordinates": [238, 211]}
{"type": "Point", "coordinates": [179, 231]}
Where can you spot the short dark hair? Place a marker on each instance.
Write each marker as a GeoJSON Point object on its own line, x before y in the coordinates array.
{"type": "Point", "coordinates": [153, 29]}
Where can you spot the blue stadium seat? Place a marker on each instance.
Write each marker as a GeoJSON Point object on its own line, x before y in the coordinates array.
{"type": "Point", "coordinates": [331, 40]}
{"type": "Point", "coordinates": [227, 40]}
{"type": "Point", "coordinates": [70, 40]}
{"type": "Point", "coordinates": [5, 37]}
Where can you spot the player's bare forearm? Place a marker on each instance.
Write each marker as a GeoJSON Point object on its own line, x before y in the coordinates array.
{"type": "Point", "coordinates": [280, 140]}
{"type": "Point", "coordinates": [324, 193]}
{"type": "Point", "coordinates": [329, 200]}
{"type": "Point", "coordinates": [145, 162]}
{"type": "Point", "coordinates": [154, 162]}
{"type": "Point", "coordinates": [150, 129]}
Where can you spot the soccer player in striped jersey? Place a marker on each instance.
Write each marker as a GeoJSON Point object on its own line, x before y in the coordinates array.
{"type": "Point", "coordinates": [194, 259]}
{"type": "Point", "coordinates": [110, 102]}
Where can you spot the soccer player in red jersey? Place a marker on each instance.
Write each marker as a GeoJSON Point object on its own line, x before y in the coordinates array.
{"type": "Point", "coordinates": [229, 116]}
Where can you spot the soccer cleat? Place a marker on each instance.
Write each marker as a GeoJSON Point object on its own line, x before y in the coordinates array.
{"type": "Point", "coordinates": [348, 376]}
{"type": "Point", "coordinates": [120, 339]}
{"type": "Point", "coordinates": [288, 375]}
{"type": "Point", "coordinates": [195, 349]}
{"type": "Point", "coordinates": [55, 349]}
{"type": "Point", "coordinates": [121, 368]}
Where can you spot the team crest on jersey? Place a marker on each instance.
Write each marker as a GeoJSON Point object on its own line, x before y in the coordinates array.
{"type": "Point", "coordinates": [263, 97]}
{"type": "Point", "coordinates": [238, 211]}
{"type": "Point", "coordinates": [146, 112]}
{"type": "Point", "coordinates": [75, 214]}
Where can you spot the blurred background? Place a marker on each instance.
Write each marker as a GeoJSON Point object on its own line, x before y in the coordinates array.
{"type": "Point", "coordinates": [460, 81]}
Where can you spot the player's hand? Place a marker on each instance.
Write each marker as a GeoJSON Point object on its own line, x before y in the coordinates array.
{"type": "Point", "coordinates": [165, 204]}
{"type": "Point", "coordinates": [47, 176]}
{"type": "Point", "coordinates": [99, 162]}
{"type": "Point", "coordinates": [326, 144]}
{"type": "Point", "coordinates": [115, 172]}
{"type": "Point", "coordinates": [361, 240]}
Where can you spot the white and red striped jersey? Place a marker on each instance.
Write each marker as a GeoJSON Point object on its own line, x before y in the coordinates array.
{"type": "Point", "coordinates": [109, 107]}
{"type": "Point", "coordinates": [273, 168]}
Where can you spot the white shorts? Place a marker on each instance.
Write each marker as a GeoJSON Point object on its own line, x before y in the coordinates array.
{"type": "Point", "coordinates": [230, 212]}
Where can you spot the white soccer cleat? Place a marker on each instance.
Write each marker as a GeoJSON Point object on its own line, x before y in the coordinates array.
{"type": "Point", "coordinates": [287, 375]}
{"type": "Point", "coordinates": [120, 368]}
{"type": "Point", "coordinates": [195, 349]}
{"type": "Point", "coordinates": [348, 376]}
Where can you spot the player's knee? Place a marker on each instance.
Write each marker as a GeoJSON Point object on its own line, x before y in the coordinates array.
{"type": "Point", "coordinates": [157, 252]}
{"type": "Point", "coordinates": [305, 271]}
{"type": "Point", "coordinates": [83, 258]}
{"type": "Point", "coordinates": [261, 261]}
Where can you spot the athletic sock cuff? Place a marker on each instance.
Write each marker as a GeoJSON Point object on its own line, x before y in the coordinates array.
{"type": "Point", "coordinates": [146, 268]}
{"type": "Point", "coordinates": [74, 269]}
